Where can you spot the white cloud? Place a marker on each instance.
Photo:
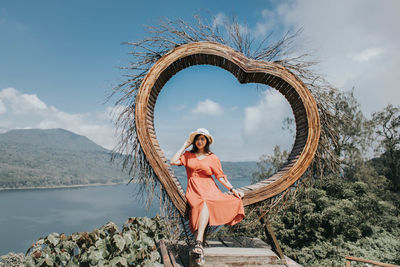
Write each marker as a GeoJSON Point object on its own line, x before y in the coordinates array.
{"type": "Point", "coordinates": [267, 114]}
{"type": "Point", "coordinates": [266, 24]}
{"type": "Point", "coordinates": [220, 19]}
{"type": "Point", "coordinates": [179, 108]}
{"type": "Point", "coordinates": [22, 103]}
{"type": "Point", "coordinates": [33, 102]}
{"type": "Point", "coordinates": [110, 113]}
{"type": "Point", "coordinates": [3, 108]}
{"type": "Point", "coordinates": [208, 107]}
{"type": "Point", "coordinates": [366, 54]}
{"type": "Point", "coordinates": [356, 42]}
{"type": "Point", "coordinates": [243, 29]}
{"type": "Point", "coordinates": [263, 124]}
{"type": "Point", "coordinates": [223, 20]}
{"type": "Point", "coordinates": [28, 111]}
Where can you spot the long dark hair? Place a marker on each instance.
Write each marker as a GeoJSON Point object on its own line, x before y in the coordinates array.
{"type": "Point", "coordinates": [206, 148]}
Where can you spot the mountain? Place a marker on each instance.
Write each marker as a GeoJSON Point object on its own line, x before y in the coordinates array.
{"type": "Point", "coordinates": [54, 157]}
{"type": "Point", "coordinates": [57, 157]}
{"type": "Point", "coordinates": [50, 138]}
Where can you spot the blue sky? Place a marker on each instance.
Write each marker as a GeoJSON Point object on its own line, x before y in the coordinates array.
{"type": "Point", "coordinates": [58, 60]}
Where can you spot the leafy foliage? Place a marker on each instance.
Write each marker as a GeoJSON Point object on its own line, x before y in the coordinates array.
{"type": "Point", "coordinates": [333, 218]}
{"type": "Point", "coordinates": [388, 131]}
{"type": "Point", "coordinates": [349, 210]}
{"type": "Point", "coordinates": [354, 130]}
{"type": "Point", "coordinates": [268, 165]}
{"type": "Point", "coordinates": [337, 217]}
{"type": "Point", "coordinates": [135, 245]}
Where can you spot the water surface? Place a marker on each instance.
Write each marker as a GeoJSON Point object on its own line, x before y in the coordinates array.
{"type": "Point", "coordinates": [26, 215]}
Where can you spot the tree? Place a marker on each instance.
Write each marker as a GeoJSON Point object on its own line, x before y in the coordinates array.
{"type": "Point", "coordinates": [345, 141]}
{"type": "Point", "coordinates": [344, 211]}
{"type": "Point", "coordinates": [354, 131]}
{"type": "Point", "coordinates": [268, 165]}
{"type": "Point", "coordinates": [387, 129]}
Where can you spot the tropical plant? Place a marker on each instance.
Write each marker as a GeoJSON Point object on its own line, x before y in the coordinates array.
{"type": "Point", "coordinates": [135, 245]}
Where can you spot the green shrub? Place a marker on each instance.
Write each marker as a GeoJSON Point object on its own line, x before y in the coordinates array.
{"type": "Point", "coordinates": [135, 245]}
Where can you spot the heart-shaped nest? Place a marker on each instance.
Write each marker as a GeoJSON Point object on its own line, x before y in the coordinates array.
{"type": "Point", "coordinates": [245, 70]}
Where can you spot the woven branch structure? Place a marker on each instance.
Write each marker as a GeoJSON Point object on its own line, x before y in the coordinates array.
{"type": "Point", "coordinates": [246, 71]}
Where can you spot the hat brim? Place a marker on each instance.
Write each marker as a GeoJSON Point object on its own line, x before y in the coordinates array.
{"type": "Point", "coordinates": [193, 135]}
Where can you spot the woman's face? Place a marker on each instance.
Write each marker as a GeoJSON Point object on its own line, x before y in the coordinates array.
{"type": "Point", "coordinates": [200, 142]}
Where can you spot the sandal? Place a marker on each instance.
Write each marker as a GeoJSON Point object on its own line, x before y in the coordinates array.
{"type": "Point", "coordinates": [198, 253]}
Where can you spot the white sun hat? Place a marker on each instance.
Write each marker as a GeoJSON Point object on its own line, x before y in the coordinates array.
{"type": "Point", "coordinates": [202, 131]}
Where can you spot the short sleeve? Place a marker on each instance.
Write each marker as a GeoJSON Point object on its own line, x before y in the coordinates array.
{"type": "Point", "coordinates": [183, 158]}
{"type": "Point", "coordinates": [217, 168]}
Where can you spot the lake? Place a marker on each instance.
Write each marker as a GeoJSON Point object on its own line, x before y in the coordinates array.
{"type": "Point", "coordinates": [26, 215]}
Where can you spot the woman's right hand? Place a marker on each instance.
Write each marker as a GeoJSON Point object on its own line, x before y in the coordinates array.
{"type": "Point", "coordinates": [187, 143]}
{"type": "Point", "coordinates": [175, 158]}
{"type": "Point", "coordinates": [237, 194]}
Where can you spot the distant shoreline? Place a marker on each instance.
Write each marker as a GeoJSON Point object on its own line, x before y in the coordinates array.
{"type": "Point", "coordinates": [60, 186]}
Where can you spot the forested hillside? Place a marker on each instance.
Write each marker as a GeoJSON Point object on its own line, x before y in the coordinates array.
{"type": "Point", "coordinates": [54, 157]}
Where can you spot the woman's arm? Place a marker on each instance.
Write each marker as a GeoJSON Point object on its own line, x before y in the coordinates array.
{"type": "Point", "coordinates": [175, 159]}
{"type": "Point", "coordinates": [219, 174]}
{"type": "Point", "coordinates": [224, 181]}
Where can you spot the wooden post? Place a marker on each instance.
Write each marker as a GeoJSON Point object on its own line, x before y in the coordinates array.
{"type": "Point", "coordinates": [164, 254]}
{"type": "Point", "coordinates": [378, 263]}
{"type": "Point", "coordinates": [271, 235]}
{"type": "Point", "coordinates": [172, 258]}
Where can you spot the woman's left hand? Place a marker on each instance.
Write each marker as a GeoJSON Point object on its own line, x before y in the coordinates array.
{"type": "Point", "coordinates": [237, 193]}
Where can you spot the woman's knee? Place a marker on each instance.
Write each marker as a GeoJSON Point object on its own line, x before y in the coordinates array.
{"type": "Point", "coordinates": [205, 209]}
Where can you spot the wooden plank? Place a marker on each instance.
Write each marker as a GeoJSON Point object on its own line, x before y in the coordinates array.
{"type": "Point", "coordinates": [154, 94]}
{"type": "Point", "coordinates": [350, 258]}
{"type": "Point", "coordinates": [222, 257]}
{"type": "Point", "coordinates": [218, 61]}
{"type": "Point", "coordinates": [253, 252]}
{"type": "Point", "coordinates": [292, 96]}
{"type": "Point", "coordinates": [284, 90]}
{"type": "Point", "coordinates": [237, 252]}
{"type": "Point", "coordinates": [199, 59]}
{"type": "Point", "coordinates": [230, 242]}
{"type": "Point", "coordinates": [274, 81]}
{"type": "Point", "coordinates": [216, 243]}
{"type": "Point", "coordinates": [248, 242]}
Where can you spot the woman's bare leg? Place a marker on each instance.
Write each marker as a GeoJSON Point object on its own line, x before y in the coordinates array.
{"type": "Point", "coordinates": [203, 221]}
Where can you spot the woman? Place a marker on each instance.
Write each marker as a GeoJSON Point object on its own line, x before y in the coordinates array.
{"type": "Point", "coordinates": [208, 205]}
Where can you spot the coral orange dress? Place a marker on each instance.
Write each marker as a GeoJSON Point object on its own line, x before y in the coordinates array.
{"type": "Point", "coordinates": [201, 188]}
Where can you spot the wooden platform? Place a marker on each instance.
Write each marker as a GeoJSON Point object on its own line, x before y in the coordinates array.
{"type": "Point", "coordinates": [229, 251]}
